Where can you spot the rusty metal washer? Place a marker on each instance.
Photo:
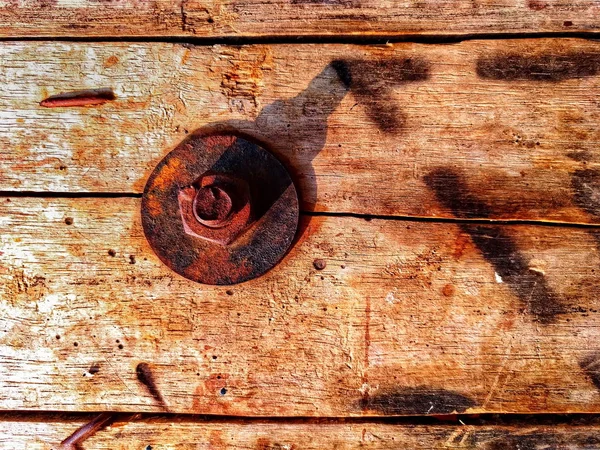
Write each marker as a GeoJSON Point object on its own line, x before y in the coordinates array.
{"type": "Point", "coordinates": [220, 209]}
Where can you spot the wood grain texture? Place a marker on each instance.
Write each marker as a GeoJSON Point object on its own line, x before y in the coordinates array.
{"type": "Point", "coordinates": [405, 318]}
{"type": "Point", "coordinates": [188, 434]}
{"type": "Point", "coordinates": [510, 125]}
{"type": "Point", "coordinates": [253, 18]}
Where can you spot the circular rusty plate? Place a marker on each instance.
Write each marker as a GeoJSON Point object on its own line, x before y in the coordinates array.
{"type": "Point", "coordinates": [220, 209]}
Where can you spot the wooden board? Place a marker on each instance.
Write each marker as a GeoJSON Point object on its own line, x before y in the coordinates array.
{"type": "Point", "coordinates": [282, 18]}
{"type": "Point", "coordinates": [188, 433]}
{"type": "Point", "coordinates": [509, 126]}
{"type": "Point", "coordinates": [406, 318]}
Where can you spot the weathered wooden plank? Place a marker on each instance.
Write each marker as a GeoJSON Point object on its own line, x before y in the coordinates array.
{"type": "Point", "coordinates": [406, 318]}
{"type": "Point", "coordinates": [252, 18]}
{"type": "Point", "coordinates": [511, 126]}
{"type": "Point", "coordinates": [190, 433]}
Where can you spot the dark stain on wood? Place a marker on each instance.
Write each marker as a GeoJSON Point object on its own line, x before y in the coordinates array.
{"type": "Point", "coordinates": [591, 366]}
{"type": "Point", "coordinates": [586, 186]}
{"type": "Point", "coordinates": [504, 440]}
{"type": "Point", "coordinates": [548, 67]}
{"type": "Point", "coordinates": [580, 156]}
{"type": "Point", "coordinates": [419, 400]}
{"type": "Point", "coordinates": [496, 246]}
{"type": "Point", "coordinates": [372, 83]}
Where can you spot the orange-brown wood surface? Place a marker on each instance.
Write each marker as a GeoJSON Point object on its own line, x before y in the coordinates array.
{"type": "Point", "coordinates": [166, 433]}
{"type": "Point", "coordinates": [406, 318]}
{"type": "Point", "coordinates": [507, 128]}
{"type": "Point", "coordinates": [292, 18]}
{"type": "Point", "coordinates": [447, 260]}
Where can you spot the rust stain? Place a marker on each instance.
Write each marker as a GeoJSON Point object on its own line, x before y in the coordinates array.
{"type": "Point", "coordinates": [211, 394]}
{"type": "Point", "coordinates": [25, 287]}
{"type": "Point", "coordinates": [448, 290]}
{"type": "Point", "coordinates": [111, 61]}
{"type": "Point", "coordinates": [185, 57]}
{"type": "Point", "coordinates": [244, 80]}
{"type": "Point", "coordinates": [461, 243]}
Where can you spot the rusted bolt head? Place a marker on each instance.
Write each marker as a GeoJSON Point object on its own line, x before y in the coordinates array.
{"type": "Point", "coordinates": [220, 209]}
{"type": "Point", "coordinates": [216, 207]}
{"type": "Point", "coordinates": [213, 206]}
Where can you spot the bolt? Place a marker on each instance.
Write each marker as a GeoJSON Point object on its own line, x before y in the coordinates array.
{"type": "Point", "coordinates": [216, 207]}
{"type": "Point", "coordinates": [213, 203]}
{"type": "Point", "coordinates": [219, 209]}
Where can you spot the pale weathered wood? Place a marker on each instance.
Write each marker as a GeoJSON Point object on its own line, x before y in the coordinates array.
{"type": "Point", "coordinates": [38, 433]}
{"type": "Point", "coordinates": [514, 121]}
{"type": "Point", "coordinates": [406, 318]}
{"type": "Point", "coordinates": [253, 18]}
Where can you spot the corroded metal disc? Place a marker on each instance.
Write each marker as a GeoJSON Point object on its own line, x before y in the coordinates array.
{"type": "Point", "coordinates": [254, 248]}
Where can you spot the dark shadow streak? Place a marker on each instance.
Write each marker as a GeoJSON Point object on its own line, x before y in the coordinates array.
{"type": "Point", "coordinates": [545, 67]}
{"type": "Point", "coordinates": [586, 188]}
{"type": "Point", "coordinates": [420, 400]}
{"type": "Point", "coordinates": [496, 246]}
{"type": "Point", "coordinates": [295, 129]}
{"type": "Point", "coordinates": [544, 439]}
{"type": "Point", "coordinates": [591, 366]}
{"type": "Point", "coordinates": [372, 83]}
{"type": "Point", "coordinates": [146, 377]}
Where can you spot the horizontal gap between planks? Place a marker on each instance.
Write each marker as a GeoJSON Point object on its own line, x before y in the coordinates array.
{"type": "Point", "coordinates": [50, 194]}
{"type": "Point", "coordinates": [455, 220]}
{"type": "Point", "coordinates": [373, 39]}
{"type": "Point", "coordinates": [547, 223]}
{"type": "Point", "coordinates": [490, 419]}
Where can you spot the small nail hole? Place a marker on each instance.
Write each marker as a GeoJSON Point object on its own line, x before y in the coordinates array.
{"type": "Point", "coordinates": [319, 264]}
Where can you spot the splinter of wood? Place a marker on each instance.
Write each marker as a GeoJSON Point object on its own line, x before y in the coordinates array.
{"type": "Point", "coordinates": [146, 377]}
{"type": "Point", "coordinates": [88, 97]}
{"type": "Point", "coordinates": [73, 442]}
